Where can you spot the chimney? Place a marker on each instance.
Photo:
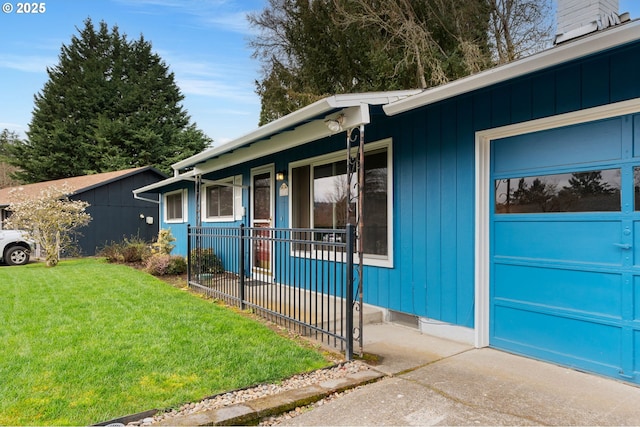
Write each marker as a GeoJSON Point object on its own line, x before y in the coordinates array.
{"type": "Point", "coordinates": [576, 18]}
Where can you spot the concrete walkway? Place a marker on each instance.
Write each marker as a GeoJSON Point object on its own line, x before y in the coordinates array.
{"type": "Point", "coordinates": [423, 380]}
{"type": "Point", "coordinates": [434, 381]}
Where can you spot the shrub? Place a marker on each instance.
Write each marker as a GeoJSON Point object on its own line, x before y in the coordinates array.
{"type": "Point", "coordinates": [164, 264]}
{"type": "Point", "coordinates": [209, 261]}
{"type": "Point", "coordinates": [177, 265]}
{"type": "Point", "coordinates": [112, 252]}
{"type": "Point", "coordinates": [135, 250]}
{"type": "Point", "coordinates": [132, 250]}
{"type": "Point", "coordinates": [165, 241]}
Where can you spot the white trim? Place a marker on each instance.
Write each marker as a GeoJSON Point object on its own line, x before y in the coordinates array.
{"type": "Point", "coordinates": [446, 330]}
{"type": "Point", "coordinates": [356, 111]}
{"type": "Point", "coordinates": [160, 184]}
{"type": "Point", "coordinates": [226, 182]}
{"type": "Point", "coordinates": [385, 261]}
{"type": "Point", "coordinates": [270, 169]}
{"type": "Point", "coordinates": [600, 41]}
{"type": "Point", "coordinates": [185, 213]}
{"type": "Point", "coordinates": [483, 190]}
{"type": "Point", "coordinates": [238, 209]}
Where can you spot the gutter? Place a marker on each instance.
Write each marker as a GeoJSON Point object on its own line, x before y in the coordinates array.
{"type": "Point", "coordinates": [137, 197]}
{"type": "Point", "coordinates": [297, 118]}
{"type": "Point", "coordinates": [151, 187]}
{"type": "Point", "coordinates": [606, 39]}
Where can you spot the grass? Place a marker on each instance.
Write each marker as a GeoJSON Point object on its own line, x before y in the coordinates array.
{"type": "Point", "coordinates": [89, 341]}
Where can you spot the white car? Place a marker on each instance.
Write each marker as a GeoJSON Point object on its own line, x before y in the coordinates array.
{"type": "Point", "coordinates": [15, 249]}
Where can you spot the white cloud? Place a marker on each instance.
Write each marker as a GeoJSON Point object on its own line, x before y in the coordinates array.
{"type": "Point", "coordinates": [236, 22]}
{"type": "Point", "coordinates": [216, 89]}
{"type": "Point", "coordinates": [27, 63]}
{"type": "Point", "coordinates": [222, 14]}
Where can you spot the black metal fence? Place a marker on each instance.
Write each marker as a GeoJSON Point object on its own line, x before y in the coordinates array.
{"type": "Point", "coordinates": [301, 278]}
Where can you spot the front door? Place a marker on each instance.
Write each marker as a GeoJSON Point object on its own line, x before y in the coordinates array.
{"type": "Point", "coordinates": [261, 217]}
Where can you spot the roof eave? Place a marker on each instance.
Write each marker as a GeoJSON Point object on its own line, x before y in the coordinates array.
{"type": "Point", "coordinates": [298, 117]}
{"type": "Point", "coordinates": [606, 39]}
{"type": "Point", "coordinates": [152, 188]}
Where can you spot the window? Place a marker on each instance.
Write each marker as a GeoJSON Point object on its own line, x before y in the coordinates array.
{"type": "Point", "coordinates": [588, 191]}
{"type": "Point", "coordinates": [636, 187]}
{"type": "Point", "coordinates": [320, 194]}
{"type": "Point", "coordinates": [174, 206]}
{"type": "Point", "coordinates": [218, 201]}
{"type": "Point", "coordinates": [222, 200]}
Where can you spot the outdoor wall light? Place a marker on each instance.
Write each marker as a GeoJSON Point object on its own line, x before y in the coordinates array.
{"type": "Point", "coordinates": [141, 216]}
{"type": "Point", "coordinates": [335, 125]}
{"type": "Point", "coordinates": [281, 175]}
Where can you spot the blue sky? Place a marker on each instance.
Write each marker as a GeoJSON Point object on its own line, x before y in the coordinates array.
{"type": "Point", "coordinates": [204, 42]}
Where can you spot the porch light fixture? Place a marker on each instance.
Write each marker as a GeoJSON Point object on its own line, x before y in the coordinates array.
{"type": "Point", "coordinates": [281, 175]}
{"type": "Point", "coordinates": [335, 125]}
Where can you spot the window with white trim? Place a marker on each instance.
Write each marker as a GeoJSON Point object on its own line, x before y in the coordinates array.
{"type": "Point", "coordinates": [175, 208]}
{"type": "Point", "coordinates": [222, 200]}
{"type": "Point", "coordinates": [320, 193]}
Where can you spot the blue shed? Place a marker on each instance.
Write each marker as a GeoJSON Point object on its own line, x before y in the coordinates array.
{"type": "Point", "coordinates": [501, 208]}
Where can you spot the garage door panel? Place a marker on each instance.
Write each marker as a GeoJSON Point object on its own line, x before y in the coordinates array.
{"type": "Point", "coordinates": [636, 243]}
{"type": "Point", "coordinates": [565, 245]}
{"type": "Point", "coordinates": [636, 300]}
{"type": "Point", "coordinates": [569, 241]}
{"type": "Point", "coordinates": [598, 141]}
{"type": "Point", "coordinates": [636, 350]}
{"type": "Point", "coordinates": [568, 340]}
{"type": "Point", "coordinates": [559, 288]}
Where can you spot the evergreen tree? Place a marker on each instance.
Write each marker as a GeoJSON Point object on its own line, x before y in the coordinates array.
{"type": "Point", "coordinates": [311, 49]}
{"type": "Point", "coordinates": [109, 104]}
{"type": "Point", "coordinates": [7, 139]}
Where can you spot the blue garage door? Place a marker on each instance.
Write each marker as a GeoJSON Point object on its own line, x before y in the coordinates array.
{"type": "Point", "coordinates": [565, 246]}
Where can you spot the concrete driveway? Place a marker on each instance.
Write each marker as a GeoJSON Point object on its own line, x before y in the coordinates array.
{"type": "Point", "coordinates": [439, 382]}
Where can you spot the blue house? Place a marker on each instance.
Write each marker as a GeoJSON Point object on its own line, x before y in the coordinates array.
{"type": "Point", "coordinates": [501, 209]}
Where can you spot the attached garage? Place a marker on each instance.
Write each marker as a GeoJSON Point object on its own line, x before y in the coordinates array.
{"type": "Point", "coordinates": [564, 243]}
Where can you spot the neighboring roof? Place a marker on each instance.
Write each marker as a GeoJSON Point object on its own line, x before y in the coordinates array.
{"type": "Point", "coordinates": [78, 184]}
{"type": "Point", "coordinates": [588, 45]}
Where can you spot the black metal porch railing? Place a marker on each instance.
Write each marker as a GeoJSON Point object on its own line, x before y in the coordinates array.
{"type": "Point", "coordinates": [300, 278]}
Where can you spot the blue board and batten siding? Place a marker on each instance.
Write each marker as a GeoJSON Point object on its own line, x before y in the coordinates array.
{"type": "Point", "coordinates": [435, 218]}
{"type": "Point", "coordinates": [434, 176]}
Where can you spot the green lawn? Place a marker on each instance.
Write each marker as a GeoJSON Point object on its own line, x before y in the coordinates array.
{"type": "Point", "coordinates": [88, 341]}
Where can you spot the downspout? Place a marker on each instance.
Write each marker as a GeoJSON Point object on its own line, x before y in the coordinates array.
{"type": "Point", "coordinates": [137, 197]}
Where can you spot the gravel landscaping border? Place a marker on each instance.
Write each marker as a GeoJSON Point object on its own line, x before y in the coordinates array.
{"type": "Point", "coordinates": [252, 393]}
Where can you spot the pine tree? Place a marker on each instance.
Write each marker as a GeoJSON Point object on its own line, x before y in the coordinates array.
{"type": "Point", "coordinates": [109, 104]}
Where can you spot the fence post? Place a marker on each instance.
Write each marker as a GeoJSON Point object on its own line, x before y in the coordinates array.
{"type": "Point", "coordinates": [241, 267]}
{"type": "Point", "coordinates": [349, 291]}
{"type": "Point", "coordinates": [189, 260]}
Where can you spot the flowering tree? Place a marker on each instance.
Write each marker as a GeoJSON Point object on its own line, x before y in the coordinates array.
{"type": "Point", "coordinates": [50, 218]}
